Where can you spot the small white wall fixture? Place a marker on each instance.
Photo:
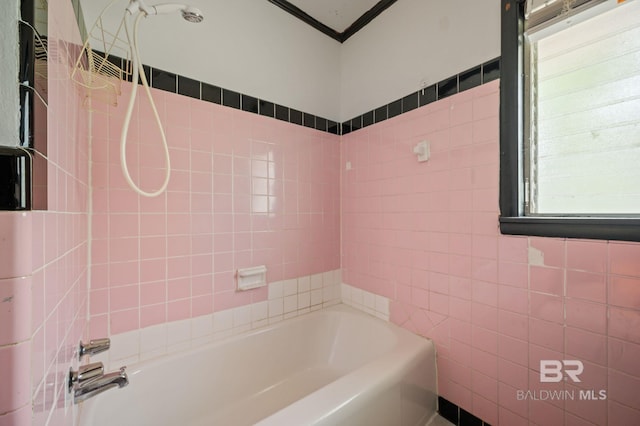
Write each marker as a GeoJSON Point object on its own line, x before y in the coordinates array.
{"type": "Point", "coordinates": [254, 277]}
{"type": "Point", "coordinates": [422, 151]}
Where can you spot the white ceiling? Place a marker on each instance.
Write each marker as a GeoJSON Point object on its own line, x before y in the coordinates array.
{"type": "Point", "coordinates": [336, 14]}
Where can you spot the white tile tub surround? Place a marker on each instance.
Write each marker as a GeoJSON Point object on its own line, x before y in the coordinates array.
{"type": "Point", "coordinates": [286, 299]}
{"type": "Point", "coordinates": [363, 300]}
{"type": "Point", "coordinates": [293, 297]}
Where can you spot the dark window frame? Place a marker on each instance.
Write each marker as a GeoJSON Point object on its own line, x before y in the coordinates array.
{"type": "Point", "coordinates": [512, 219]}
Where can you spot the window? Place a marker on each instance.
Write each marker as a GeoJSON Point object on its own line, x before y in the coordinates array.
{"type": "Point", "coordinates": [570, 118]}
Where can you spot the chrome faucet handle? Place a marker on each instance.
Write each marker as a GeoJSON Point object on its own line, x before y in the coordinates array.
{"type": "Point", "coordinates": [94, 347]}
{"type": "Point", "coordinates": [99, 384]}
{"type": "Point", "coordinates": [85, 373]}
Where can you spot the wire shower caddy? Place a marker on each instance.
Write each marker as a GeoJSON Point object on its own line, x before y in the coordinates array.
{"type": "Point", "coordinates": [96, 70]}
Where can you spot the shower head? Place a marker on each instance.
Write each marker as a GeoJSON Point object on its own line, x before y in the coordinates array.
{"type": "Point", "coordinates": [189, 13]}
{"type": "Point", "coordinates": [192, 14]}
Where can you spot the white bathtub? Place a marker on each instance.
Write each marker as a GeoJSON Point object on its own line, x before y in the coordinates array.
{"type": "Point", "coordinates": [331, 367]}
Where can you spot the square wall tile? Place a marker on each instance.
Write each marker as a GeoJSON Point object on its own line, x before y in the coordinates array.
{"type": "Point", "coordinates": [15, 370]}
{"type": "Point", "coordinates": [15, 243]}
{"type": "Point", "coordinates": [15, 310]}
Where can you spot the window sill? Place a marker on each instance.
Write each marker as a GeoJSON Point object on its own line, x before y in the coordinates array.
{"type": "Point", "coordinates": [598, 228]}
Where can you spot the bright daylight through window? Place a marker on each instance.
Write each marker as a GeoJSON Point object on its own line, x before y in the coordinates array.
{"type": "Point", "coordinates": [583, 155]}
{"type": "Point", "coordinates": [577, 142]}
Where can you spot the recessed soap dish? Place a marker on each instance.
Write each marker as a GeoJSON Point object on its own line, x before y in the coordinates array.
{"type": "Point", "coordinates": [254, 277]}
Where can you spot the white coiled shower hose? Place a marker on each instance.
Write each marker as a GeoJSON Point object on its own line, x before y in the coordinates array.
{"type": "Point", "coordinates": [139, 71]}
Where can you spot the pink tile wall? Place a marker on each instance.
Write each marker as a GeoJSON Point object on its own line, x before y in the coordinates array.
{"type": "Point", "coordinates": [426, 236]}
{"type": "Point", "coordinates": [43, 267]}
{"type": "Point", "coordinates": [15, 316]}
{"type": "Point", "coordinates": [245, 190]}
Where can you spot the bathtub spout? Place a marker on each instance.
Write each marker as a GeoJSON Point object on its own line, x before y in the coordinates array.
{"type": "Point", "coordinates": [97, 385]}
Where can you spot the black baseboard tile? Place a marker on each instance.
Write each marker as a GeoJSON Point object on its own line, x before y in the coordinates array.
{"type": "Point", "coordinates": [457, 415]}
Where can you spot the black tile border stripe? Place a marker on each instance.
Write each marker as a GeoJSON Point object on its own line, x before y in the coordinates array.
{"type": "Point", "coordinates": [457, 415]}
{"type": "Point", "coordinates": [181, 85]}
{"type": "Point", "coordinates": [465, 80]}
{"type": "Point", "coordinates": [468, 79]}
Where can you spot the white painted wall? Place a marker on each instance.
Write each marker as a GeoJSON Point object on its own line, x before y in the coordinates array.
{"type": "Point", "coordinates": [9, 93]}
{"type": "Point", "coordinates": [249, 46]}
{"type": "Point", "coordinates": [415, 42]}
{"type": "Point", "coordinates": [256, 48]}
